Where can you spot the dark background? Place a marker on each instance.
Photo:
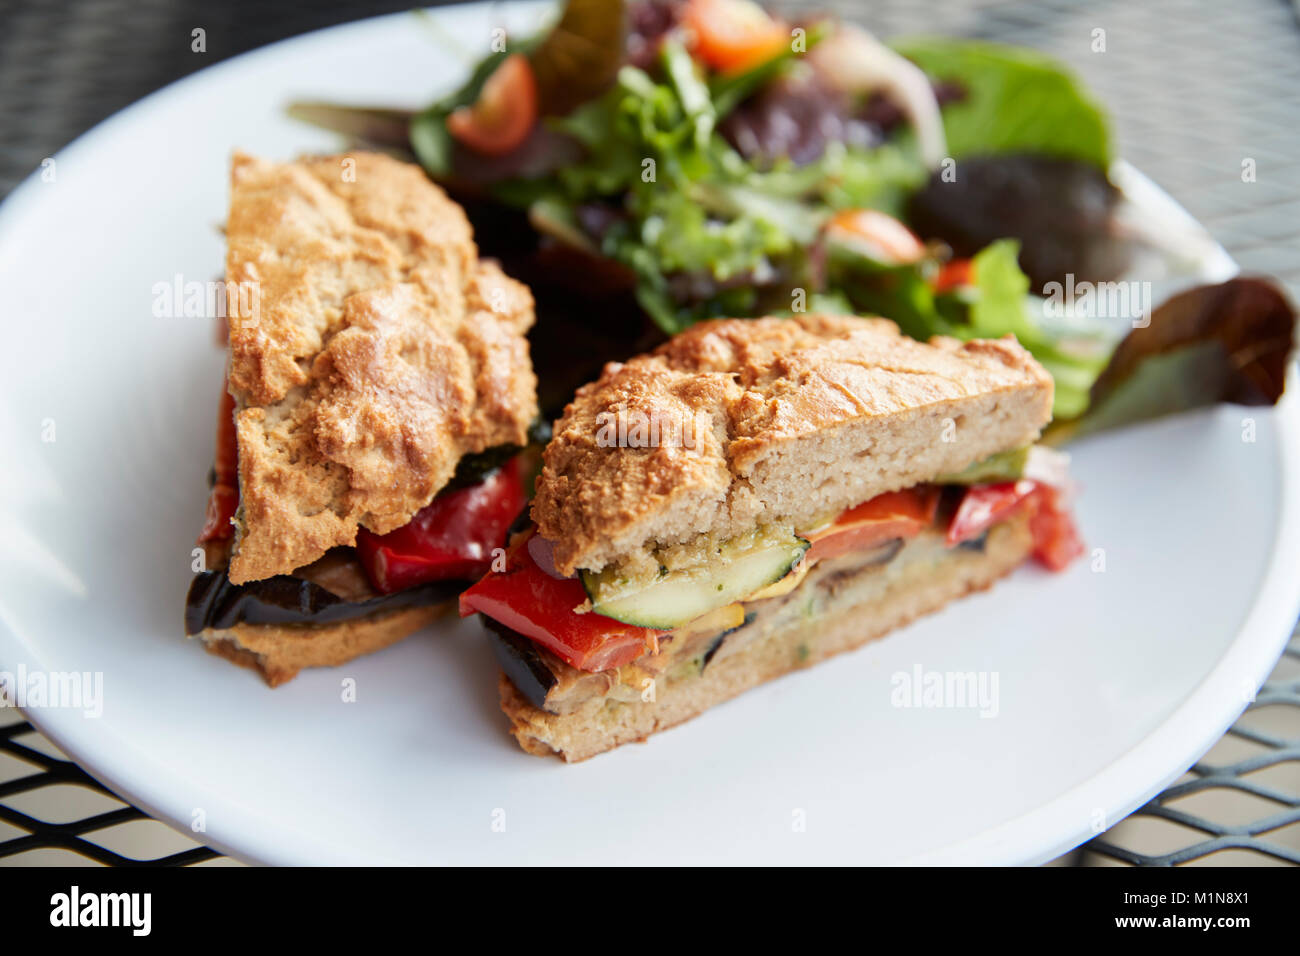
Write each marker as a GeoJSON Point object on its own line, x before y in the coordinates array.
{"type": "Point", "coordinates": [65, 65]}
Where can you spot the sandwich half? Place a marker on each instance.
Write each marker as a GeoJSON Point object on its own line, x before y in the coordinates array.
{"type": "Point", "coordinates": [378, 392]}
{"type": "Point", "coordinates": [754, 497]}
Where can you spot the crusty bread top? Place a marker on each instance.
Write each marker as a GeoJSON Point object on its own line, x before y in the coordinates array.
{"type": "Point", "coordinates": [797, 418]}
{"type": "Point", "coordinates": [379, 352]}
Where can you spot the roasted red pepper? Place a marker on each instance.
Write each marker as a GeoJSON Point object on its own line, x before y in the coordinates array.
{"type": "Point", "coordinates": [983, 506]}
{"type": "Point", "coordinates": [1056, 541]}
{"type": "Point", "coordinates": [223, 500]}
{"type": "Point", "coordinates": [452, 537]}
{"type": "Point", "coordinates": [540, 605]}
{"type": "Point", "coordinates": [897, 514]}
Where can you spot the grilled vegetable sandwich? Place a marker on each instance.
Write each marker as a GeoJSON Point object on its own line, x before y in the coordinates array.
{"type": "Point", "coordinates": [751, 498]}
{"type": "Point", "coordinates": [379, 387]}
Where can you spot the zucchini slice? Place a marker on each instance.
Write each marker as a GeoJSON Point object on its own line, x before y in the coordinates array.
{"type": "Point", "coordinates": [680, 597]}
{"type": "Point", "coordinates": [1004, 466]}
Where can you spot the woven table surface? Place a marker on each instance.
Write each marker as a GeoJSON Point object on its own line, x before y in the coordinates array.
{"type": "Point", "coordinates": [1194, 89]}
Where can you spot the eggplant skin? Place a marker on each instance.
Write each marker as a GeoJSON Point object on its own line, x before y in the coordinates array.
{"type": "Point", "coordinates": [521, 663]}
{"type": "Point", "coordinates": [213, 602]}
{"type": "Point", "coordinates": [979, 543]}
{"type": "Point", "coordinates": [716, 645]}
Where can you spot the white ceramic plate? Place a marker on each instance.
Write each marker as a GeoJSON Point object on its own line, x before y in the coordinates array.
{"type": "Point", "coordinates": [1110, 683]}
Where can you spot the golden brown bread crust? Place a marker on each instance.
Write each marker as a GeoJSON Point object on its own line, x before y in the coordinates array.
{"type": "Point", "coordinates": [604, 724]}
{"type": "Point", "coordinates": [381, 350]}
{"type": "Point", "coordinates": [278, 652]}
{"type": "Point", "coordinates": [797, 418]}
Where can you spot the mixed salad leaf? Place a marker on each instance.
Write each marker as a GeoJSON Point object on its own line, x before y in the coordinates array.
{"type": "Point", "coordinates": [1019, 101]}
{"type": "Point", "coordinates": [718, 161]}
{"type": "Point", "coordinates": [1228, 342]}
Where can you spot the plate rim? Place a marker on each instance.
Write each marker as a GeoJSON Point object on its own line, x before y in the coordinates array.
{"type": "Point", "coordinates": [154, 788]}
{"type": "Point", "coordinates": [1276, 605]}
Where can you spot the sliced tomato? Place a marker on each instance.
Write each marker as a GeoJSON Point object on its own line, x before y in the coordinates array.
{"type": "Point", "coordinates": [983, 506]}
{"type": "Point", "coordinates": [954, 274]}
{"type": "Point", "coordinates": [897, 514]}
{"type": "Point", "coordinates": [539, 605]}
{"type": "Point", "coordinates": [452, 537]}
{"type": "Point", "coordinates": [881, 237]}
{"type": "Point", "coordinates": [1056, 539]}
{"type": "Point", "coordinates": [223, 500]}
{"type": "Point", "coordinates": [734, 35]}
{"type": "Point", "coordinates": [226, 458]}
{"type": "Point", "coordinates": [504, 113]}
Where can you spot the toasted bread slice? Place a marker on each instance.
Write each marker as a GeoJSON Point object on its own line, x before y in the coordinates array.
{"type": "Point", "coordinates": [773, 421]}
{"type": "Point", "coordinates": [376, 352]}
{"type": "Point", "coordinates": [278, 652]}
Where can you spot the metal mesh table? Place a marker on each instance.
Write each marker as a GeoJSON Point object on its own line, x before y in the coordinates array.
{"type": "Point", "coordinates": [1194, 89]}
